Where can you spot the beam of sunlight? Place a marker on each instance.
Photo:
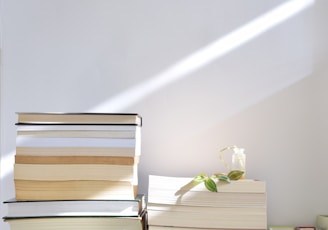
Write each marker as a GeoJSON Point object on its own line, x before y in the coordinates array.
{"type": "Point", "coordinates": [7, 162]}
{"type": "Point", "coordinates": [205, 55]}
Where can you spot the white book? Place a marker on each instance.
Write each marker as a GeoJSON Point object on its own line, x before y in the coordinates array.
{"type": "Point", "coordinates": [78, 223]}
{"type": "Point", "coordinates": [95, 131]}
{"type": "Point", "coordinates": [25, 141]}
{"type": "Point", "coordinates": [56, 208]}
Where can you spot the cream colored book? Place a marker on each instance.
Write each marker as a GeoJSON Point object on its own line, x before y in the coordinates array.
{"type": "Point", "coordinates": [113, 160]}
{"type": "Point", "coordinates": [184, 191]}
{"type": "Point", "coordinates": [74, 190]}
{"type": "Point", "coordinates": [182, 184]}
{"type": "Point", "coordinates": [65, 172]}
{"type": "Point", "coordinates": [282, 227]}
{"type": "Point", "coordinates": [322, 221]}
{"type": "Point", "coordinates": [180, 202]}
{"type": "Point", "coordinates": [156, 227]}
{"type": "Point", "coordinates": [208, 217]}
{"type": "Point", "coordinates": [78, 151]}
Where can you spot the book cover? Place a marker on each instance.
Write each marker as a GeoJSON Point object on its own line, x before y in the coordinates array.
{"type": "Point", "coordinates": [80, 118]}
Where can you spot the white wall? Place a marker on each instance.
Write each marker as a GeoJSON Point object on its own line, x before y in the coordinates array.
{"type": "Point", "coordinates": [267, 95]}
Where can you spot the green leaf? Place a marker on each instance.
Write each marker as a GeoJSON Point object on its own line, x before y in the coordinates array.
{"type": "Point", "coordinates": [200, 178]}
{"type": "Point", "coordinates": [235, 174]}
{"type": "Point", "coordinates": [210, 184]}
{"type": "Point", "coordinates": [222, 177]}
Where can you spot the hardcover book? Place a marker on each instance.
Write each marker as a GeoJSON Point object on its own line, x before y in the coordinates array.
{"type": "Point", "coordinates": [80, 118]}
{"type": "Point", "coordinates": [79, 223]}
{"type": "Point", "coordinates": [59, 208]}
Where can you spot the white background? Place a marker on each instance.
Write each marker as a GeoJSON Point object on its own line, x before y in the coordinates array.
{"type": "Point", "coordinates": [267, 94]}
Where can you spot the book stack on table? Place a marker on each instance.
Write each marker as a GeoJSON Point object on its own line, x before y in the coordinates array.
{"type": "Point", "coordinates": [77, 171]}
{"type": "Point", "coordinates": [182, 204]}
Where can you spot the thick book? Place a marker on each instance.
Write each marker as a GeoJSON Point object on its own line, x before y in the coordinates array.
{"type": "Point", "coordinates": [322, 221]}
{"type": "Point", "coordinates": [281, 227]}
{"type": "Point", "coordinates": [57, 208]}
{"type": "Point", "coordinates": [184, 191]}
{"type": "Point", "coordinates": [108, 131]}
{"type": "Point", "coordinates": [207, 217]}
{"type": "Point", "coordinates": [79, 223]}
{"type": "Point", "coordinates": [153, 227]}
{"type": "Point", "coordinates": [78, 151]}
{"type": "Point", "coordinates": [182, 185]}
{"type": "Point", "coordinates": [74, 190]}
{"type": "Point", "coordinates": [69, 142]}
{"type": "Point", "coordinates": [112, 160]}
{"type": "Point", "coordinates": [78, 172]}
{"type": "Point", "coordinates": [80, 118]}
{"type": "Point", "coordinates": [180, 202]}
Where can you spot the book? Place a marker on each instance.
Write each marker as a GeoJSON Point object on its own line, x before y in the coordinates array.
{"type": "Point", "coordinates": [74, 190]}
{"type": "Point", "coordinates": [305, 228]}
{"type": "Point", "coordinates": [57, 208]}
{"type": "Point", "coordinates": [184, 191]}
{"type": "Point", "coordinates": [183, 184]}
{"type": "Point", "coordinates": [108, 131]}
{"type": "Point", "coordinates": [281, 227]}
{"type": "Point", "coordinates": [113, 160]}
{"type": "Point", "coordinates": [79, 223]}
{"type": "Point", "coordinates": [27, 141]}
{"type": "Point", "coordinates": [70, 172]}
{"type": "Point", "coordinates": [180, 202]}
{"type": "Point", "coordinates": [80, 118]}
{"type": "Point", "coordinates": [78, 151]}
{"type": "Point", "coordinates": [153, 227]}
{"type": "Point", "coordinates": [114, 134]}
{"type": "Point", "coordinates": [322, 221]}
{"type": "Point", "coordinates": [220, 199]}
{"type": "Point", "coordinates": [191, 216]}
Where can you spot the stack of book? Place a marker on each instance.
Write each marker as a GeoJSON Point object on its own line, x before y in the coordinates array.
{"type": "Point", "coordinates": [76, 156]}
{"type": "Point", "coordinates": [180, 203]}
{"type": "Point", "coordinates": [67, 162]}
